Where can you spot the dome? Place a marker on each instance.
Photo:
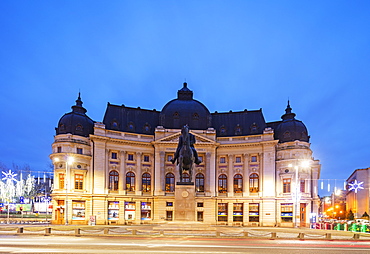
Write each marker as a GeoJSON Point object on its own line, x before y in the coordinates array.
{"type": "Point", "coordinates": [76, 122]}
{"type": "Point", "coordinates": [291, 129]}
{"type": "Point", "coordinates": [185, 110]}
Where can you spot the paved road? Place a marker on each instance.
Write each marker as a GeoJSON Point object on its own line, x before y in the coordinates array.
{"type": "Point", "coordinates": [173, 245]}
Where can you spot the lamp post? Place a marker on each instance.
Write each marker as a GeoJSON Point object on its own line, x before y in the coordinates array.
{"type": "Point", "coordinates": [304, 164]}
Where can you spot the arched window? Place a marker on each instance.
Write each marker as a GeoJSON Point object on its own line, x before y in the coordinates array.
{"type": "Point", "coordinates": [199, 182]}
{"type": "Point", "coordinates": [146, 182]}
{"type": "Point", "coordinates": [186, 178]}
{"type": "Point", "coordinates": [238, 130]}
{"type": "Point", "coordinates": [222, 183]}
{"type": "Point", "coordinates": [170, 182]}
{"type": "Point", "coordinates": [238, 183]}
{"type": "Point", "coordinates": [131, 126]}
{"type": "Point", "coordinates": [113, 180]}
{"type": "Point", "coordinates": [130, 181]}
{"type": "Point", "coordinates": [254, 183]}
{"type": "Point", "coordinates": [79, 127]}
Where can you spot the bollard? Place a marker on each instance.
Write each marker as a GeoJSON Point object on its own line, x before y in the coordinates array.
{"type": "Point", "coordinates": [47, 231]}
{"type": "Point", "coordinates": [328, 235]}
{"type": "Point", "coordinates": [218, 233]}
{"type": "Point", "coordinates": [273, 235]}
{"type": "Point", "coordinates": [106, 231]}
{"type": "Point", "coordinates": [161, 232]}
{"type": "Point", "coordinates": [77, 231]}
{"type": "Point", "coordinates": [301, 235]}
{"type": "Point", "coordinates": [134, 232]}
{"type": "Point", "coordinates": [20, 230]}
{"type": "Point", "coordinates": [356, 236]}
{"type": "Point", "coordinates": [245, 233]}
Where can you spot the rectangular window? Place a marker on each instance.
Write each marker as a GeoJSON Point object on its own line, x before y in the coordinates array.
{"type": "Point", "coordinates": [169, 203]}
{"type": "Point", "coordinates": [238, 159]}
{"type": "Point", "coordinates": [169, 215]}
{"type": "Point", "coordinates": [286, 185]}
{"type": "Point", "coordinates": [79, 180]}
{"type": "Point", "coordinates": [79, 150]}
{"type": "Point", "coordinates": [238, 212]}
{"type": "Point", "coordinates": [222, 160]}
{"type": "Point", "coordinates": [61, 181]}
{"type": "Point", "coordinates": [222, 212]}
{"type": "Point", "coordinates": [59, 149]}
{"type": "Point", "coordinates": [130, 157]}
{"type": "Point", "coordinates": [169, 157]}
{"type": "Point", "coordinates": [78, 210]}
{"type": "Point", "coordinates": [146, 158]}
{"type": "Point", "coordinates": [254, 212]}
{"type": "Point", "coordinates": [254, 159]}
{"type": "Point", "coordinates": [199, 204]}
{"type": "Point", "coordinates": [303, 186]}
{"type": "Point", "coordinates": [113, 210]}
{"type": "Point", "coordinates": [200, 158]}
{"type": "Point", "coordinates": [130, 210]}
{"type": "Point", "coordinates": [114, 155]}
{"type": "Point", "coordinates": [199, 216]}
{"type": "Point", "coordinates": [146, 210]}
{"type": "Point", "coordinates": [286, 212]}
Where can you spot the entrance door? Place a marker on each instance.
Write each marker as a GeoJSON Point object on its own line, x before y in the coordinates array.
{"type": "Point", "coordinates": [302, 215]}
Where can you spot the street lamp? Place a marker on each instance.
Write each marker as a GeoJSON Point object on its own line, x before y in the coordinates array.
{"type": "Point", "coordinates": [304, 164]}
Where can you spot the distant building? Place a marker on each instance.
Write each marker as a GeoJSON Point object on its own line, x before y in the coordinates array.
{"type": "Point", "coordinates": [121, 171]}
{"type": "Point", "coordinates": [358, 196]}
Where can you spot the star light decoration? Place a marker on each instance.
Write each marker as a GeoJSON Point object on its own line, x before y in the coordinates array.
{"type": "Point", "coordinates": [355, 186]}
{"type": "Point", "coordinates": [9, 176]}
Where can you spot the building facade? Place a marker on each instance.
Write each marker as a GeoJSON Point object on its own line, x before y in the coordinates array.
{"type": "Point", "coordinates": [118, 171]}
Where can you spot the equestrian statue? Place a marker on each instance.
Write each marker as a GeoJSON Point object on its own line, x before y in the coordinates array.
{"type": "Point", "coordinates": [186, 155]}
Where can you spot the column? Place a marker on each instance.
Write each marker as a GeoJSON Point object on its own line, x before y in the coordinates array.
{"type": "Point", "coordinates": [138, 187]}
{"type": "Point", "coordinates": [246, 175]}
{"type": "Point", "coordinates": [159, 173]}
{"type": "Point", "coordinates": [122, 173]}
{"type": "Point", "coordinates": [230, 175]}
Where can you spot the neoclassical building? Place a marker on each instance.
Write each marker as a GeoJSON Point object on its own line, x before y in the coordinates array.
{"type": "Point", "coordinates": [118, 171]}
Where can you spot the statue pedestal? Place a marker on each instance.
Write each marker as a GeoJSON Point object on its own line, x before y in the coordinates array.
{"type": "Point", "coordinates": [184, 202]}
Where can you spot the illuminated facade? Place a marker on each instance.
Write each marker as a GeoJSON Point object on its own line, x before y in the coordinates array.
{"type": "Point", "coordinates": [121, 171]}
{"type": "Point", "coordinates": [358, 195]}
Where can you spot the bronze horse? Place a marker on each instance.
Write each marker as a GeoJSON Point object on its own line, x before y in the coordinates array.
{"type": "Point", "coordinates": [186, 156]}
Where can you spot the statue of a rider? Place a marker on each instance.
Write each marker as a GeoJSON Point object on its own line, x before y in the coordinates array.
{"type": "Point", "coordinates": [179, 145]}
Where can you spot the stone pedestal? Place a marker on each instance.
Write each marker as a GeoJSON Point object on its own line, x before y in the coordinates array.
{"type": "Point", "coordinates": [184, 202]}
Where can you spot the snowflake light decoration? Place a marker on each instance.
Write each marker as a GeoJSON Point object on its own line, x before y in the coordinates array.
{"type": "Point", "coordinates": [355, 186]}
{"type": "Point", "coordinates": [9, 176]}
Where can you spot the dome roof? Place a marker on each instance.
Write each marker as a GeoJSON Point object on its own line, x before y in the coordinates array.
{"type": "Point", "coordinates": [76, 122]}
{"type": "Point", "coordinates": [185, 110]}
{"type": "Point", "coordinates": [291, 129]}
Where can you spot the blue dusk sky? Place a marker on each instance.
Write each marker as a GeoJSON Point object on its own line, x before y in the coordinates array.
{"type": "Point", "coordinates": [234, 55]}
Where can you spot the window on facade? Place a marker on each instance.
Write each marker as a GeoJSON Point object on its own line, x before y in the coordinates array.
{"type": "Point", "coordinates": [170, 182]}
{"type": "Point", "coordinates": [238, 212]}
{"type": "Point", "coordinates": [254, 212]}
{"type": "Point", "coordinates": [146, 182]}
{"type": "Point", "coordinates": [222, 160]}
{"type": "Point", "coordinates": [114, 155]}
{"type": "Point", "coordinates": [113, 180]}
{"type": "Point", "coordinates": [79, 127]}
{"type": "Point", "coordinates": [238, 130]}
{"type": "Point", "coordinates": [61, 181]}
{"type": "Point", "coordinates": [146, 128]}
{"type": "Point", "coordinates": [62, 127]}
{"type": "Point", "coordinates": [169, 204]}
{"type": "Point", "coordinates": [222, 212]}
{"type": "Point", "coordinates": [200, 204]}
{"type": "Point", "coordinates": [131, 127]}
{"type": "Point", "coordinates": [286, 185]}
{"type": "Point", "coordinates": [222, 183]}
{"type": "Point", "coordinates": [254, 183]}
{"type": "Point", "coordinates": [286, 212]}
{"type": "Point", "coordinates": [79, 180]}
{"type": "Point", "coordinates": [176, 115]}
{"type": "Point", "coordinates": [169, 157]}
{"type": "Point", "coordinates": [254, 128]}
{"type": "Point", "coordinates": [238, 183]}
{"type": "Point", "coordinates": [254, 159]}
{"type": "Point", "coordinates": [286, 134]}
{"type": "Point", "coordinates": [59, 149]}
{"type": "Point", "coordinates": [130, 157]}
{"type": "Point", "coordinates": [185, 177]}
{"type": "Point", "coordinates": [195, 116]}
{"type": "Point", "coordinates": [199, 182]}
{"type": "Point", "coordinates": [146, 158]}
{"type": "Point", "coordinates": [302, 186]}
{"type": "Point", "coordinates": [200, 158]}
{"type": "Point", "coordinates": [79, 150]}
{"type": "Point", "coordinates": [114, 125]}
{"type": "Point", "coordinates": [130, 181]}
{"type": "Point", "coordinates": [222, 131]}
{"type": "Point", "coordinates": [238, 159]}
